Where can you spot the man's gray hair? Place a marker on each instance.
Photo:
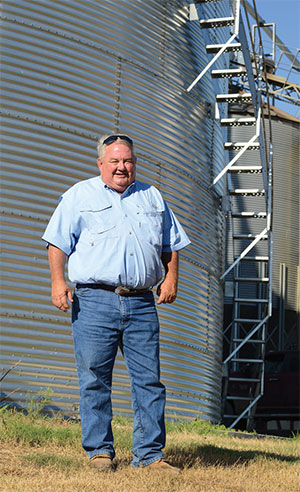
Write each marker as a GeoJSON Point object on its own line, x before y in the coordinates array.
{"type": "Point", "coordinates": [102, 146]}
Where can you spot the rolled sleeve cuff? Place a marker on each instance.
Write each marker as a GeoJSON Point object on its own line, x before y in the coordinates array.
{"type": "Point", "coordinates": [58, 244]}
{"type": "Point", "coordinates": [175, 247]}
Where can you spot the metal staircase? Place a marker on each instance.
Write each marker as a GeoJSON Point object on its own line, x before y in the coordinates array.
{"type": "Point", "coordinates": [249, 213]}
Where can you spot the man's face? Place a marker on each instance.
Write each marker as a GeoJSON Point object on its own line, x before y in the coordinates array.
{"type": "Point", "coordinates": [117, 166]}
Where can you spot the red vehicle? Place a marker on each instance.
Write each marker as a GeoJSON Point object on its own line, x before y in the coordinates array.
{"type": "Point", "coordinates": [278, 410]}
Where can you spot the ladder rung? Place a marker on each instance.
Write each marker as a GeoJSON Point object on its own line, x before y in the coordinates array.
{"type": "Point", "coordinates": [228, 416]}
{"type": "Point", "coordinates": [246, 320]}
{"type": "Point", "coordinates": [251, 301]}
{"type": "Point", "coordinates": [229, 72]}
{"type": "Point", "coordinates": [238, 121]}
{"type": "Point", "coordinates": [253, 361]}
{"type": "Point", "coordinates": [206, 1]}
{"type": "Point", "coordinates": [244, 380]}
{"type": "Point", "coordinates": [239, 340]}
{"type": "Point", "coordinates": [245, 237]}
{"type": "Point", "coordinates": [214, 48]}
{"type": "Point", "coordinates": [245, 169]}
{"type": "Point", "coordinates": [234, 98]}
{"type": "Point", "coordinates": [247, 192]}
{"type": "Point", "coordinates": [217, 22]}
{"type": "Point", "coordinates": [239, 398]}
{"type": "Point", "coordinates": [234, 416]}
{"type": "Point", "coordinates": [251, 215]}
{"type": "Point", "coordinates": [253, 258]}
{"type": "Point", "coordinates": [240, 145]}
{"type": "Point", "coordinates": [252, 279]}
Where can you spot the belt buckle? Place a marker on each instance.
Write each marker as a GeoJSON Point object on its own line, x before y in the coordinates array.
{"type": "Point", "coordinates": [120, 290]}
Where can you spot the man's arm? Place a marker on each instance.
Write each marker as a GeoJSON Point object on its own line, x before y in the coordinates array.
{"type": "Point", "coordinates": [167, 289]}
{"type": "Point", "coordinates": [61, 292]}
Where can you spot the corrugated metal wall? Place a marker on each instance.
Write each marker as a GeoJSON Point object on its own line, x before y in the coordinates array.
{"type": "Point", "coordinates": [286, 213]}
{"type": "Point", "coordinates": [71, 72]}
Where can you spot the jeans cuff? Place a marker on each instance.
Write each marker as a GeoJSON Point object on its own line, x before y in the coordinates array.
{"type": "Point", "coordinates": [135, 463]}
{"type": "Point", "coordinates": [97, 452]}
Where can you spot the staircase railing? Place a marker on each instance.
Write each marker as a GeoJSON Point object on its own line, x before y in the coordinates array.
{"type": "Point", "coordinates": [244, 348]}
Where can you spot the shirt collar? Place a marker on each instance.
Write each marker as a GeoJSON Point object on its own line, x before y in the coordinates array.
{"type": "Point", "coordinates": [128, 190]}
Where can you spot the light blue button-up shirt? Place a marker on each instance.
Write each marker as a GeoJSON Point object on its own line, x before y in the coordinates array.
{"type": "Point", "coordinates": [114, 239]}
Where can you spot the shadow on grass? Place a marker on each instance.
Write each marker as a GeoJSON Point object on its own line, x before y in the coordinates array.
{"type": "Point", "coordinates": [208, 455]}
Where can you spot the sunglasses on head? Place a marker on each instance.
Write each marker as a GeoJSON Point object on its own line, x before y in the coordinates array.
{"type": "Point", "coordinates": [113, 138]}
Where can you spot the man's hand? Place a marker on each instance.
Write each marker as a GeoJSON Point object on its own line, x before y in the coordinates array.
{"type": "Point", "coordinates": [167, 289]}
{"type": "Point", "coordinates": [167, 292]}
{"type": "Point", "coordinates": [61, 294]}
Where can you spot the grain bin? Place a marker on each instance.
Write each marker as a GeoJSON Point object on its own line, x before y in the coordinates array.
{"type": "Point", "coordinates": [71, 72]}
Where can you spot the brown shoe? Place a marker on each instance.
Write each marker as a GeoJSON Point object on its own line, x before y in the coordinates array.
{"type": "Point", "coordinates": [163, 465]}
{"type": "Point", "coordinates": [102, 462]}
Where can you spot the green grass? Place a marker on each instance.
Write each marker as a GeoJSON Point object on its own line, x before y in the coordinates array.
{"type": "Point", "coordinates": [61, 463]}
{"type": "Point", "coordinates": [196, 426]}
{"type": "Point", "coordinates": [43, 453]}
{"type": "Point", "coordinates": [38, 431]}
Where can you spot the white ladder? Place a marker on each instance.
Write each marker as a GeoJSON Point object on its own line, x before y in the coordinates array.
{"type": "Point", "coordinates": [251, 267]}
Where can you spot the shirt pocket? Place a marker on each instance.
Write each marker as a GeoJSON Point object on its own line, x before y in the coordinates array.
{"type": "Point", "coordinates": [151, 222]}
{"type": "Point", "coordinates": [101, 223]}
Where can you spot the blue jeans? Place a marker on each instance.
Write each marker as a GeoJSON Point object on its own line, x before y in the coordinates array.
{"type": "Point", "coordinates": [102, 321]}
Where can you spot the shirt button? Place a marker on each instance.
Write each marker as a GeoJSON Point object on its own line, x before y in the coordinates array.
{"type": "Point", "coordinates": [125, 215]}
{"type": "Point", "coordinates": [130, 233]}
{"type": "Point", "coordinates": [131, 254]}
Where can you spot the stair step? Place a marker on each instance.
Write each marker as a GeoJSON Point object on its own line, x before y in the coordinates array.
{"type": "Point", "coordinates": [240, 145]}
{"type": "Point", "coordinates": [240, 340]}
{"type": "Point", "coordinates": [217, 22]}
{"type": "Point", "coordinates": [252, 279]}
{"type": "Point", "coordinates": [243, 237]}
{"type": "Point", "coordinates": [253, 361]}
{"type": "Point", "coordinates": [206, 1]}
{"type": "Point", "coordinates": [251, 215]}
{"type": "Point", "coordinates": [239, 398]}
{"type": "Point", "coordinates": [215, 48]}
{"type": "Point", "coordinates": [245, 169]}
{"type": "Point", "coordinates": [251, 301]}
{"type": "Point", "coordinates": [244, 380]}
{"type": "Point", "coordinates": [234, 416]}
{"type": "Point", "coordinates": [247, 192]}
{"type": "Point", "coordinates": [253, 258]}
{"type": "Point", "coordinates": [238, 121]}
{"type": "Point", "coordinates": [237, 97]}
{"type": "Point", "coordinates": [228, 73]}
{"type": "Point", "coordinates": [246, 320]}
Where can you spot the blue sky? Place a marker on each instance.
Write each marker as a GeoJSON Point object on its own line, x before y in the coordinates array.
{"type": "Point", "coordinates": [286, 15]}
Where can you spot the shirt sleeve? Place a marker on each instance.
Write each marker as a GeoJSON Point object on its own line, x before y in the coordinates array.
{"type": "Point", "coordinates": [174, 236]}
{"type": "Point", "coordinates": [62, 229]}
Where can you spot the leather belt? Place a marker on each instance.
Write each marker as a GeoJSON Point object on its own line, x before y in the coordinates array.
{"type": "Point", "coordinates": [120, 290]}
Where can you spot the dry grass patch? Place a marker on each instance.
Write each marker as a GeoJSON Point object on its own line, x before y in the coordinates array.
{"type": "Point", "coordinates": [211, 461]}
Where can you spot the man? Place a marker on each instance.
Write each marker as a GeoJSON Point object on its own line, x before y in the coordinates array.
{"type": "Point", "coordinates": [115, 232]}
